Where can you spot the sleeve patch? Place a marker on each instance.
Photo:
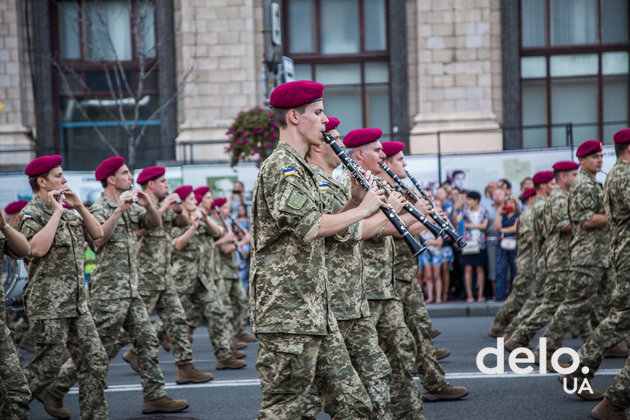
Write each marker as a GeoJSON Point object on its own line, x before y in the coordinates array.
{"type": "Point", "coordinates": [290, 171]}
{"type": "Point", "coordinates": [296, 200]}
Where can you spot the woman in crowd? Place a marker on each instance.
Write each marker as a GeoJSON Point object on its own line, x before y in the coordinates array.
{"type": "Point", "coordinates": [474, 254]}
{"type": "Point", "coordinates": [505, 224]}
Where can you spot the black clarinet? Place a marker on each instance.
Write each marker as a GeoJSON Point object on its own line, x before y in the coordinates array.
{"type": "Point", "coordinates": [391, 215]}
{"type": "Point", "coordinates": [236, 226]}
{"type": "Point", "coordinates": [238, 250]}
{"type": "Point", "coordinates": [447, 226]}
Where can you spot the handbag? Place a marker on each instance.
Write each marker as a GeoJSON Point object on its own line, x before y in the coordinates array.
{"type": "Point", "coordinates": [508, 244]}
{"type": "Point", "coordinates": [471, 248]}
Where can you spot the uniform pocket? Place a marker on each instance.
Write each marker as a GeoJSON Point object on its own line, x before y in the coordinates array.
{"type": "Point", "coordinates": [281, 364]}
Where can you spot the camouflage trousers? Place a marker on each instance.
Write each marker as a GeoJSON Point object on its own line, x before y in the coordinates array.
{"type": "Point", "coordinates": [555, 287]}
{"type": "Point", "coordinates": [205, 305]}
{"type": "Point", "coordinates": [14, 392]}
{"type": "Point", "coordinates": [577, 309]}
{"type": "Point", "coordinates": [80, 336]}
{"type": "Point", "coordinates": [289, 365]}
{"type": "Point", "coordinates": [418, 321]}
{"type": "Point", "coordinates": [239, 304]}
{"type": "Point", "coordinates": [167, 305]}
{"type": "Point", "coordinates": [536, 295]}
{"type": "Point", "coordinates": [398, 345]}
{"type": "Point", "coordinates": [521, 291]}
{"type": "Point", "coordinates": [18, 324]}
{"type": "Point", "coordinates": [618, 392]}
{"type": "Point", "coordinates": [110, 316]}
{"type": "Point", "coordinates": [368, 361]}
{"type": "Point", "coordinates": [614, 328]}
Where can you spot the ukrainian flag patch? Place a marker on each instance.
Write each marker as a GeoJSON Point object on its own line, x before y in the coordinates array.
{"type": "Point", "coordinates": [590, 185]}
{"type": "Point", "coordinates": [563, 199]}
{"type": "Point", "coordinates": [324, 186]}
{"type": "Point", "coordinates": [290, 171]}
{"type": "Point", "coordinates": [27, 215]}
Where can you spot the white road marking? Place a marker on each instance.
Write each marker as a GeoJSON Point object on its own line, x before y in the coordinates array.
{"type": "Point", "coordinates": [256, 382]}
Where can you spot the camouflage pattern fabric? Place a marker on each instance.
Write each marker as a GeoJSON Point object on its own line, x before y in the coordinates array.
{"type": "Point", "coordinates": [288, 364]}
{"type": "Point", "coordinates": [110, 316]}
{"type": "Point", "coordinates": [617, 392]}
{"type": "Point", "coordinates": [557, 243]}
{"type": "Point", "coordinates": [13, 387]}
{"type": "Point", "coordinates": [238, 302]}
{"type": "Point", "coordinates": [378, 260]}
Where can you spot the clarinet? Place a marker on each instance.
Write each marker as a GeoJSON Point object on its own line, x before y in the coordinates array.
{"type": "Point", "coordinates": [236, 225]}
{"type": "Point", "coordinates": [391, 215]}
{"type": "Point", "coordinates": [238, 250]}
{"type": "Point", "coordinates": [447, 226]}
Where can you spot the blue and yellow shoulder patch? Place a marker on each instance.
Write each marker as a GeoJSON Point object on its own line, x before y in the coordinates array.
{"type": "Point", "coordinates": [27, 215]}
{"type": "Point", "coordinates": [290, 171]}
{"type": "Point", "coordinates": [562, 198]}
{"type": "Point", "coordinates": [324, 186]}
{"type": "Point", "coordinates": [590, 184]}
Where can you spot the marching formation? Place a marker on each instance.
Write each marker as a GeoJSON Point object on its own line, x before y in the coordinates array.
{"type": "Point", "coordinates": [574, 233]}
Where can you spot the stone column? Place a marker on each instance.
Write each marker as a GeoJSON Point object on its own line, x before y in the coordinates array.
{"type": "Point", "coordinates": [220, 46]}
{"type": "Point", "coordinates": [459, 76]}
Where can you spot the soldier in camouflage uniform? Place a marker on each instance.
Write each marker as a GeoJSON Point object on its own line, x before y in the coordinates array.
{"type": "Point", "coordinates": [386, 308]}
{"type": "Point", "coordinates": [197, 292]}
{"type": "Point", "coordinates": [525, 276]}
{"type": "Point", "coordinates": [228, 270]}
{"type": "Point", "coordinates": [559, 234]}
{"type": "Point", "coordinates": [155, 282]}
{"type": "Point", "coordinates": [13, 387]}
{"type": "Point", "coordinates": [543, 183]}
{"type": "Point", "coordinates": [347, 285]}
{"type": "Point", "coordinates": [114, 299]}
{"type": "Point", "coordinates": [54, 298]}
{"type": "Point", "coordinates": [300, 343]}
{"type": "Point", "coordinates": [434, 384]}
{"type": "Point", "coordinates": [590, 266]}
{"type": "Point", "coordinates": [617, 324]}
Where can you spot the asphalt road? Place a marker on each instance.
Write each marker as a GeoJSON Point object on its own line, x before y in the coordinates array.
{"type": "Point", "coordinates": [236, 395]}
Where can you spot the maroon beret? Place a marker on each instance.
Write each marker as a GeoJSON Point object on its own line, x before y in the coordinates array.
{"type": "Point", "coordinates": [542, 177]}
{"type": "Point", "coordinates": [622, 136]}
{"type": "Point", "coordinates": [360, 136]}
{"type": "Point", "coordinates": [183, 191]}
{"type": "Point", "coordinates": [202, 190]}
{"type": "Point", "coordinates": [108, 167]}
{"type": "Point", "coordinates": [565, 165]}
{"type": "Point", "coordinates": [528, 193]}
{"type": "Point", "coordinates": [332, 123]}
{"type": "Point", "coordinates": [152, 172]}
{"type": "Point", "coordinates": [218, 202]}
{"type": "Point", "coordinates": [42, 165]}
{"type": "Point", "coordinates": [294, 94]}
{"type": "Point", "coordinates": [390, 148]}
{"type": "Point", "coordinates": [589, 147]}
{"type": "Point", "coordinates": [15, 207]}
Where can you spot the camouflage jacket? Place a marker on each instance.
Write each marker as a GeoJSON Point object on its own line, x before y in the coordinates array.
{"type": "Point", "coordinates": [188, 263]}
{"type": "Point", "coordinates": [155, 249]}
{"type": "Point", "coordinates": [539, 234]}
{"type": "Point", "coordinates": [405, 265]}
{"type": "Point", "coordinates": [4, 250]}
{"type": "Point", "coordinates": [589, 247]}
{"type": "Point", "coordinates": [115, 272]}
{"type": "Point", "coordinates": [209, 255]}
{"type": "Point", "coordinates": [556, 219]}
{"type": "Point", "coordinates": [226, 263]}
{"type": "Point", "coordinates": [343, 255]}
{"type": "Point", "coordinates": [617, 204]}
{"type": "Point", "coordinates": [524, 232]}
{"type": "Point", "coordinates": [288, 278]}
{"type": "Point", "coordinates": [56, 284]}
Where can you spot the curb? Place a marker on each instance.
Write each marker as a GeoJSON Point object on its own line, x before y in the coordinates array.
{"type": "Point", "coordinates": [458, 309]}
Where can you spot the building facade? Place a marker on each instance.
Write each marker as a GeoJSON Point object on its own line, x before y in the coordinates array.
{"type": "Point", "coordinates": [161, 80]}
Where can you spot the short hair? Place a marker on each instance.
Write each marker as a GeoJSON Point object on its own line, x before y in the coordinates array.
{"type": "Point", "coordinates": [279, 115]}
{"type": "Point", "coordinates": [32, 180]}
{"type": "Point", "coordinates": [620, 148]}
{"type": "Point", "coordinates": [556, 175]}
{"type": "Point", "coordinates": [104, 182]}
{"type": "Point", "coordinates": [473, 195]}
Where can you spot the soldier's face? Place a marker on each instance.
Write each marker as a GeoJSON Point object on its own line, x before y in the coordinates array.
{"type": "Point", "coordinates": [14, 219]}
{"type": "Point", "coordinates": [592, 163]}
{"type": "Point", "coordinates": [206, 200]}
{"type": "Point", "coordinates": [189, 203]}
{"type": "Point", "coordinates": [370, 156]}
{"type": "Point", "coordinates": [312, 123]}
{"type": "Point", "coordinates": [397, 164]}
{"type": "Point", "coordinates": [330, 156]}
{"type": "Point", "coordinates": [123, 178]}
{"type": "Point", "coordinates": [160, 187]}
{"type": "Point", "coordinates": [54, 181]}
{"type": "Point", "coordinates": [569, 177]}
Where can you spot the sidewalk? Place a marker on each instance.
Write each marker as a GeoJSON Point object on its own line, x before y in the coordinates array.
{"type": "Point", "coordinates": [462, 308]}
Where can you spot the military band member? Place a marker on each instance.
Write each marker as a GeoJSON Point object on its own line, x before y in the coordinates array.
{"type": "Point", "coordinates": [54, 298]}
{"type": "Point", "coordinates": [197, 292]}
{"type": "Point", "coordinates": [300, 343]}
{"type": "Point", "coordinates": [114, 299]}
{"type": "Point", "coordinates": [434, 384]}
{"type": "Point", "coordinates": [13, 386]}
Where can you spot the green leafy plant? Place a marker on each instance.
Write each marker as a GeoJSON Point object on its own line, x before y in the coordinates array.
{"type": "Point", "coordinates": [251, 137]}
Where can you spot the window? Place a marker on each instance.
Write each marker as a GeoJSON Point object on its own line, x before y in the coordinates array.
{"type": "Point", "coordinates": [574, 69]}
{"type": "Point", "coordinates": [343, 44]}
{"type": "Point", "coordinates": [105, 69]}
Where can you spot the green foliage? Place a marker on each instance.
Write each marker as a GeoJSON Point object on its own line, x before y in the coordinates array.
{"type": "Point", "coordinates": [251, 136]}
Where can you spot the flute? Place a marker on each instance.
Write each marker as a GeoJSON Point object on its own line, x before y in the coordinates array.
{"type": "Point", "coordinates": [391, 215]}
{"type": "Point", "coordinates": [238, 250]}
